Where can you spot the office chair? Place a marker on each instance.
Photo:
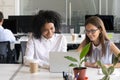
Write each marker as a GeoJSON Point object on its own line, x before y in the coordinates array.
{"type": "Point", "coordinates": [23, 48]}
{"type": "Point", "coordinates": [6, 54]}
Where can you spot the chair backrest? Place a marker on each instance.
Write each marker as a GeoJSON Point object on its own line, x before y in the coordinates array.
{"type": "Point", "coordinates": [23, 48]}
{"type": "Point", "coordinates": [4, 51]}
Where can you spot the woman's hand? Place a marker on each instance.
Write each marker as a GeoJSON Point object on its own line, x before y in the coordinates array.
{"type": "Point", "coordinates": [93, 65]}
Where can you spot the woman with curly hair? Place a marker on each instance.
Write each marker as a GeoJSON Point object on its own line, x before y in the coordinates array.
{"type": "Point", "coordinates": [45, 38]}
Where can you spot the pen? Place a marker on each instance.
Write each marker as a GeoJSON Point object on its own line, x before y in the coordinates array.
{"type": "Point", "coordinates": [65, 76]}
{"type": "Point", "coordinates": [70, 76]}
{"type": "Point", "coordinates": [76, 76]}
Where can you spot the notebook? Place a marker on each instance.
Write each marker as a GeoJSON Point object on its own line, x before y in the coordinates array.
{"type": "Point", "coordinates": [58, 63]}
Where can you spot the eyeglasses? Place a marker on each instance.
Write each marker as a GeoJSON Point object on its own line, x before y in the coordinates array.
{"type": "Point", "coordinates": [91, 31]}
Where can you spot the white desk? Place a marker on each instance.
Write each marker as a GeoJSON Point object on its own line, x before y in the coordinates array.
{"type": "Point", "coordinates": [7, 70]}
{"type": "Point", "coordinates": [68, 38]}
{"type": "Point", "coordinates": [115, 37]}
{"type": "Point", "coordinates": [23, 38]}
{"type": "Point", "coordinates": [77, 41]}
{"type": "Point", "coordinates": [43, 74]}
{"type": "Point", "coordinates": [92, 74]}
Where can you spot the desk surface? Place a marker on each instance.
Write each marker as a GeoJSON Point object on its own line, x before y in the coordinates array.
{"type": "Point", "coordinates": [113, 37]}
{"type": "Point", "coordinates": [43, 74]}
{"type": "Point", "coordinates": [68, 38]}
{"type": "Point", "coordinates": [8, 70]}
{"type": "Point", "coordinates": [93, 74]}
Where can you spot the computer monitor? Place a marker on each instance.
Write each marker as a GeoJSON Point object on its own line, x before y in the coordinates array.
{"type": "Point", "coordinates": [108, 21]}
{"type": "Point", "coordinates": [11, 25]}
{"type": "Point", "coordinates": [24, 23]}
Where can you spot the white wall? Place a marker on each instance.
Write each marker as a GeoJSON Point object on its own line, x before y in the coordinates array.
{"type": "Point", "coordinates": [7, 7]}
{"type": "Point", "coordinates": [11, 7]}
{"type": "Point", "coordinates": [116, 7]}
{"type": "Point", "coordinates": [85, 6]}
{"type": "Point", "coordinates": [31, 6]}
{"type": "Point", "coordinates": [79, 8]}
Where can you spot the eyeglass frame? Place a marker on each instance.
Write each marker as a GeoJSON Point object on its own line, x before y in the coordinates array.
{"type": "Point", "coordinates": [91, 31]}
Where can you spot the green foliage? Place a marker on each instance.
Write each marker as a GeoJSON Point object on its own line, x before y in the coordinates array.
{"type": "Point", "coordinates": [73, 65]}
{"type": "Point", "coordinates": [106, 78]}
{"type": "Point", "coordinates": [78, 63]}
{"type": "Point", "coordinates": [104, 69]}
{"type": "Point", "coordinates": [116, 59]}
{"type": "Point", "coordinates": [71, 58]}
{"type": "Point", "coordinates": [84, 51]}
{"type": "Point", "coordinates": [109, 70]}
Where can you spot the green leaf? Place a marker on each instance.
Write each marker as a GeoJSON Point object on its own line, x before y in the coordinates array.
{"type": "Point", "coordinates": [71, 58]}
{"type": "Point", "coordinates": [115, 61]}
{"type": "Point", "coordinates": [99, 63]}
{"type": "Point", "coordinates": [106, 78]}
{"type": "Point", "coordinates": [118, 55]}
{"type": "Point", "coordinates": [104, 69]}
{"type": "Point", "coordinates": [83, 54]}
{"type": "Point", "coordinates": [84, 51]}
{"type": "Point", "coordinates": [73, 65]}
{"type": "Point", "coordinates": [83, 60]}
{"type": "Point", "coordinates": [110, 69]}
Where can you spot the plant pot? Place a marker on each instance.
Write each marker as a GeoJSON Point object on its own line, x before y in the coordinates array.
{"type": "Point", "coordinates": [80, 73]}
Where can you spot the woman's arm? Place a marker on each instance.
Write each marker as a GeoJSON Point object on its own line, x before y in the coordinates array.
{"type": "Point", "coordinates": [29, 55]}
{"type": "Point", "coordinates": [79, 49]}
{"type": "Point", "coordinates": [116, 66]}
{"type": "Point", "coordinates": [114, 49]}
{"type": "Point", "coordinates": [64, 44]}
{"type": "Point", "coordinates": [93, 65]}
{"type": "Point", "coordinates": [29, 52]}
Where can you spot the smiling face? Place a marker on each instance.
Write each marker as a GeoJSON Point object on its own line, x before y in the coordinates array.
{"type": "Point", "coordinates": [92, 32]}
{"type": "Point", "coordinates": [48, 30]}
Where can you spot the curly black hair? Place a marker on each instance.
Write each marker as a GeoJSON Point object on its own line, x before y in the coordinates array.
{"type": "Point", "coordinates": [1, 16]}
{"type": "Point", "coordinates": [43, 17]}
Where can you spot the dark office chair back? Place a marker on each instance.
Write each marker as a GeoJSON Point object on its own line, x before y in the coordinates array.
{"type": "Point", "coordinates": [23, 48]}
{"type": "Point", "coordinates": [4, 48]}
{"type": "Point", "coordinates": [6, 54]}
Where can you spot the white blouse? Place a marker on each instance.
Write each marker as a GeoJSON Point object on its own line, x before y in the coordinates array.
{"type": "Point", "coordinates": [38, 49]}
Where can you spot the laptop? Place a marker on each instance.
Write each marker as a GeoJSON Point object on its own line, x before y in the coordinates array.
{"type": "Point", "coordinates": [58, 63]}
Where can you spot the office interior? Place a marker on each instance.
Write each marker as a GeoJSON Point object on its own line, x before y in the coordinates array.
{"type": "Point", "coordinates": [18, 16]}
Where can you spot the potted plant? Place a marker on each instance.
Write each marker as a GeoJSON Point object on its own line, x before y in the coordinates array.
{"type": "Point", "coordinates": [78, 69]}
{"type": "Point", "coordinates": [108, 71]}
